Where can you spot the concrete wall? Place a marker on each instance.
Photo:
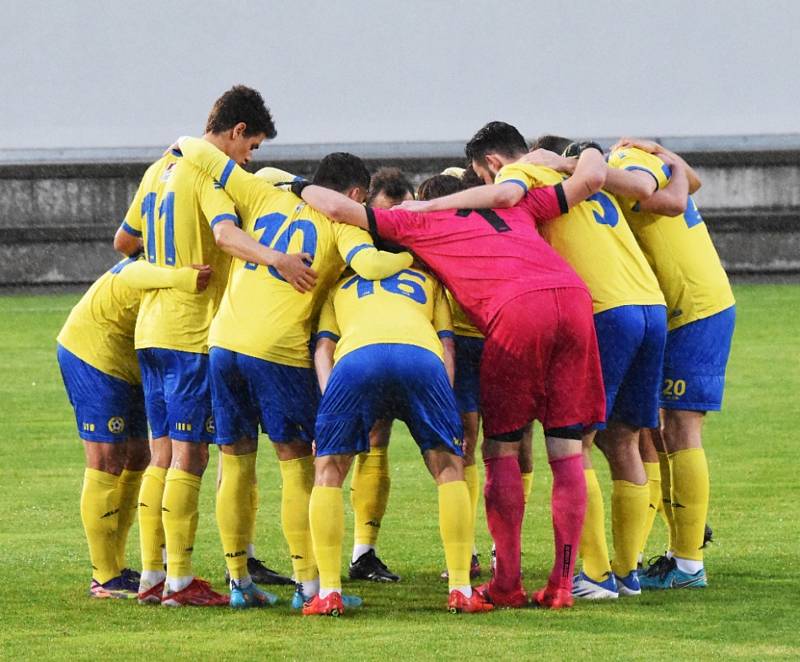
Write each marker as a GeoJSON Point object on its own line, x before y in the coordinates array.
{"type": "Point", "coordinates": [57, 219]}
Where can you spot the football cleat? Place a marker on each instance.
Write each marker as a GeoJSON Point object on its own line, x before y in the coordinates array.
{"type": "Point", "coordinates": [329, 606]}
{"type": "Point", "coordinates": [553, 597]}
{"type": "Point", "coordinates": [458, 603]}
{"type": "Point", "coordinates": [369, 566]}
{"type": "Point", "coordinates": [511, 600]}
{"type": "Point", "coordinates": [627, 585]}
{"type": "Point", "coordinates": [474, 569]}
{"type": "Point", "coordinates": [251, 596]}
{"type": "Point", "coordinates": [654, 565]}
{"type": "Point", "coordinates": [586, 588]}
{"type": "Point", "coordinates": [261, 574]}
{"type": "Point", "coordinates": [151, 595]}
{"type": "Point", "coordinates": [131, 575]}
{"type": "Point", "coordinates": [197, 594]}
{"type": "Point", "coordinates": [666, 575]}
{"type": "Point", "coordinates": [349, 601]}
{"type": "Point", "coordinates": [708, 536]}
{"type": "Point", "coordinates": [117, 587]}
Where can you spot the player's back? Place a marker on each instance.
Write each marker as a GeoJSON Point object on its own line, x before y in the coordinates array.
{"type": "Point", "coordinates": [261, 314]}
{"type": "Point", "coordinates": [99, 329]}
{"type": "Point", "coordinates": [594, 237]}
{"type": "Point", "coordinates": [679, 248]}
{"type": "Point", "coordinates": [174, 210]}
{"type": "Point", "coordinates": [409, 308]}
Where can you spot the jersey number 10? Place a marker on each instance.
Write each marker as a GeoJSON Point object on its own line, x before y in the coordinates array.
{"type": "Point", "coordinates": [269, 226]}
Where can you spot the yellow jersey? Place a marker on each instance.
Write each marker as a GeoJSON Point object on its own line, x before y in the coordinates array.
{"type": "Point", "coordinates": [409, 308]}
{"type": "Point", "coordinates": [173, 211]}
{"type": "Point", "coordinates": [594, 237]}
{"type": "Point", "coordinates": [99, 329]}
{"type": "Point", "coordinates": [462, 325]}
{"type": "Point", "coordinates": [678, 248]}
{"type": "Point", "coordinates": [262, 315]}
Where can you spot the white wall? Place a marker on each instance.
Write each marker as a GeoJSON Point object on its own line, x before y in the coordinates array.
{"type": "Point", "coordinates": [106, 74]}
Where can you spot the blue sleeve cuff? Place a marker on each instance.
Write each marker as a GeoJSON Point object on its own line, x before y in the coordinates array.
{"type": "Point", "coordinates": [649, 172]}
{"type": "Point", "coordinates": [130, 230]}
{"type": "Point", "coordinates": [329, 335]}
{"type": "Point", "coordinates": [225, 217]}
{"type": "Point", "coordinates": [518, 182]}
{"type": "Point", "coordinates": [355, 250]}
{"type": "Point", "coordinates": [226, 173]}
{"type": "Point", "coordinates": [446, 334]}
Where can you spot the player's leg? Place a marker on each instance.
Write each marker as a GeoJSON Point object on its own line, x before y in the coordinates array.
{"type": "Point", "coordinates": [526, 460]}
{"type": "Point", "coordinates": [652, 469]}
{"type": "Point", "coordinates": [369, 494]}
{"type": "Point", "coordinates": [137, 458]}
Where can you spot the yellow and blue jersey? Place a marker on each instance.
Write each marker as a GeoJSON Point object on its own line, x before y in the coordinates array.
{"type": "Point", "coordinates": [260, 314]}
{"type": "Point", "coordinates": [174, 210]}
{"type": "Point", "coordinates": [409, 308]}
{"type": "Point", "coordinates": [462, 325]}
{"type": "Point", "coordinates": [594, 237]}
{"type": "Point", "coordinates": [679, 248]}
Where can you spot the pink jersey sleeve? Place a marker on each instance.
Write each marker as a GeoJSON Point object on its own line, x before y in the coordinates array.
{"type": "Point", "coordinates": [545, 203]}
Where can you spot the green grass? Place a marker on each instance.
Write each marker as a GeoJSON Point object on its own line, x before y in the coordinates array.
{"type": "Point", "coordinates": [748, 612]}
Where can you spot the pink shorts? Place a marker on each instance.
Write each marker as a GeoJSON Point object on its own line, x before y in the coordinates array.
{"type": "Point", "coordinates": [541, 362]}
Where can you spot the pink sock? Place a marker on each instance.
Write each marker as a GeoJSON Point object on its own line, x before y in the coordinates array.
{"type": "Point", "coordinates": [568, 504]}
{"type": "Point", "coordinates": [505, 507]}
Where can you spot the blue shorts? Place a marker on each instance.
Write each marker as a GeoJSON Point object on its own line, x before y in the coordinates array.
{"type": "Point", "coordinates": [388, 381]}
{"type": "Point", "coordinates": [107, 409]}
{"type": "Point", "coordinates": [694, 363]}
{"type": "Point", "coordinates": [631, 342]}
{"type": "Point", "coordinates": [246, 391]}
{"type": "Point", "coordinates": [467, 378]}
{"type": "Point", "coordinates": [176, 394]}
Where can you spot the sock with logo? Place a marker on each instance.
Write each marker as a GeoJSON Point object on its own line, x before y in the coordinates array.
{"type": "Point", "coordinates": [593, 546]}
{"type": "Point", "coordinates": [234, 509]}
{"type": "Point", "coordinates": [99, 513]}
{"type": "Point", "coordinates": [326, 512]}
{"type": "Point", "coordinates": [568, 505]}
{"type": "Point", "coordinates": [666, 497]}
{"type": "Point", "coordinates": [298, 480]}
{"type": "Point", "coordinates": [369, 494]}
{"type": "Point", "coordinates": [457, 530]}
{"type": "Point", "coordinates": [505, 507]}
{"type": "Point", "coordinates": [130, 483]}
{"type": "Point", "coordinates": [179, 514]}
{"type": "Point", "coordinates": [527, 484]}
{"type": "Point", "coordinates": [629, 505]}
{"type": "Point", "coordinates": [653, 472]}
{"type": "Point", "coordinates": [690, 492]}
{"type": "Point", "coordinates": [151, 529]}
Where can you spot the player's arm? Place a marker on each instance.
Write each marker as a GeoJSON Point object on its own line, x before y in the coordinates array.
{"type": "Point", "coordinates": [128, 237]}
{"type": "Point", "coordinates": [490, 196]}
{"type": "Point", "coordinates": [658, 149]}
{"type": "Point", "coordinates": [142, 275]}
{"type": "Point", "coordinates": [672, 199]}
{"type": "Point", "coordinates": [589, 176]}
{"type": "Point", "coordinates": [333, 204]}
{"type": "Point", "coordinates": [323, 360]}
{"type": "Point", "coordinates": [635, 184]}
{"type": "Point", "coordinates": [443, 324]}
{"type": "Point", "coordinates": [356, 248]}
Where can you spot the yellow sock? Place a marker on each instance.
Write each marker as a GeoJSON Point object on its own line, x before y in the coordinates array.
{"type": "Point", "coordinates": [666, 497]}
{"type": "Point", "coordinates": [653, 473]}
{"type": "Point", "coordinates": [527, 484]}
{"type": "Point", "coordinates": [179, 514]}
{"type": "Point", "coordinates": [629, 505]}
{"type": "Point", "coordinates": [690, 490]}
{"type": "Point", "coordinates": [99, 513]}
{"type": "Point", "coordinates": [130, 482]}
{"type": "Point", "coordinates": [298, 479]}
{"type": "Point", "coordinates": [254, 503]}
{"type": "Point", "coordinates": [473, 481]}
{"type": "Point", "coordinates": [151, 529]}
{"type": "Point", "coordinates": [326, 514]}
{"type": "Point", "coordinates": [369, 494]}
{"type": "Point", "coordinates": [593, 548]}
{"type": "Point", "coordinates": [235, 509]}
{"type": "Point", "coordinates": [457, 531]}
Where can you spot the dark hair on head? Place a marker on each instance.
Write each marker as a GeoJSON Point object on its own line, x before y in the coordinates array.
{"type": "Point", "coordinates": [241, 104]}
{"type": "Point", "coordinates": [438, 186]}
{"type": "Point", "coordinates": [391, 182]}
{"type": "Point", "coordinates": [341, 171]}
{"type": "Point", "coordinates": [470, 178]}
{"type": "Point", "coordinates": [552, 143]}
{"type": "Point", "coordinates": [496, 137]}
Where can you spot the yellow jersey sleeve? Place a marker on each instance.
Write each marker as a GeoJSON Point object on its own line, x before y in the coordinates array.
{"type": "Point", "coordinates": [357, 250]}
{"type": "Point", "coordinates": [277, 176]}
{"type": "Point", "coordinates": [442, 318]}
{"type": "Point", "coordinates": [328, 327]}
{"type": "Point", "coordinates": [462, 325]}
{"type": "Point", "coordinates": [632, 158]}
{"type": "Point", "coordinates": [132, 223]}
{"type": "Point", "coordinates": [142, 275]}
{"type": "Point", "coordinates": [528, 176]}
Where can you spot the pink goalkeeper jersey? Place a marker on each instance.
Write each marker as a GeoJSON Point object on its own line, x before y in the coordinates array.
{"type": "Point", "coordinates": [485, 257]}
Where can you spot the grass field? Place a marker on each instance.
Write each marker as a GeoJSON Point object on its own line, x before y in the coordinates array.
{"type": "Point", "coordinates": [748, 612]}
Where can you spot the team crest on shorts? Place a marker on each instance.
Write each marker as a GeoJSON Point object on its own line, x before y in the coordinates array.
{"type": "Point", "coordinates": [210, 427]}
{"type": "Point", "coordinates": [116, 425]}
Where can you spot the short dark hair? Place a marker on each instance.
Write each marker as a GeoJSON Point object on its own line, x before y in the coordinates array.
{"type": "Point", "coordinates": [241, 104]}
{"type": "Point", "coordinates": [341, 171]}
{"type": "Point", "coordinates": [470, 178]}
{"type": "Point", "coordinates": [438, 186]}
{"type": "Point", "coordinates": [552, 143]}
{"type": "Point", "coordinates": [496, 137]}
{"type": "Point", "coordinates": [391, 182]}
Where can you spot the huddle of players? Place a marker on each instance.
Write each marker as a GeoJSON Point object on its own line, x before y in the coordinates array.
{"type": "Point", "coordinates": [384, 346]}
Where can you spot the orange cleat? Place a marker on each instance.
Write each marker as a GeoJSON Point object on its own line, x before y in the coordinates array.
{"type": "Point", "coordinates": [552, 597]}
{"type": "Point", "coordinates": [516, 599]}
{"type": "Point", "coordinates": [152, 595]}
{"type": "Point", "coordinates": [458, 603]}
{"type": "Point", "coordinates": [329, 606]}
{"type": "Point", "coordinates": [197, 594]}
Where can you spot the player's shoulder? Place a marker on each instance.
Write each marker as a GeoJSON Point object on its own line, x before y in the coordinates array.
{"type": "Point", "coordinates": [533, 175]}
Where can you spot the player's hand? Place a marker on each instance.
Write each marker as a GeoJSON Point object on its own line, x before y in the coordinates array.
{"type": "Point", "coordinates": [296, 271]}
{"type": "Point", "coordinates": [544, 157]}
{"type": "Point", "coordinates": [670, 159]}
{"type": "Point", "coordinates": [204, 276]}
{"type": "Point", "coordinates": [649, 146]}
{"type": "Point", "coordinates": [414, 205]}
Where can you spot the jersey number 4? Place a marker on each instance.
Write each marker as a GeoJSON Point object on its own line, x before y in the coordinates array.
{"type": "Point", "coordinates": [269, 226]}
